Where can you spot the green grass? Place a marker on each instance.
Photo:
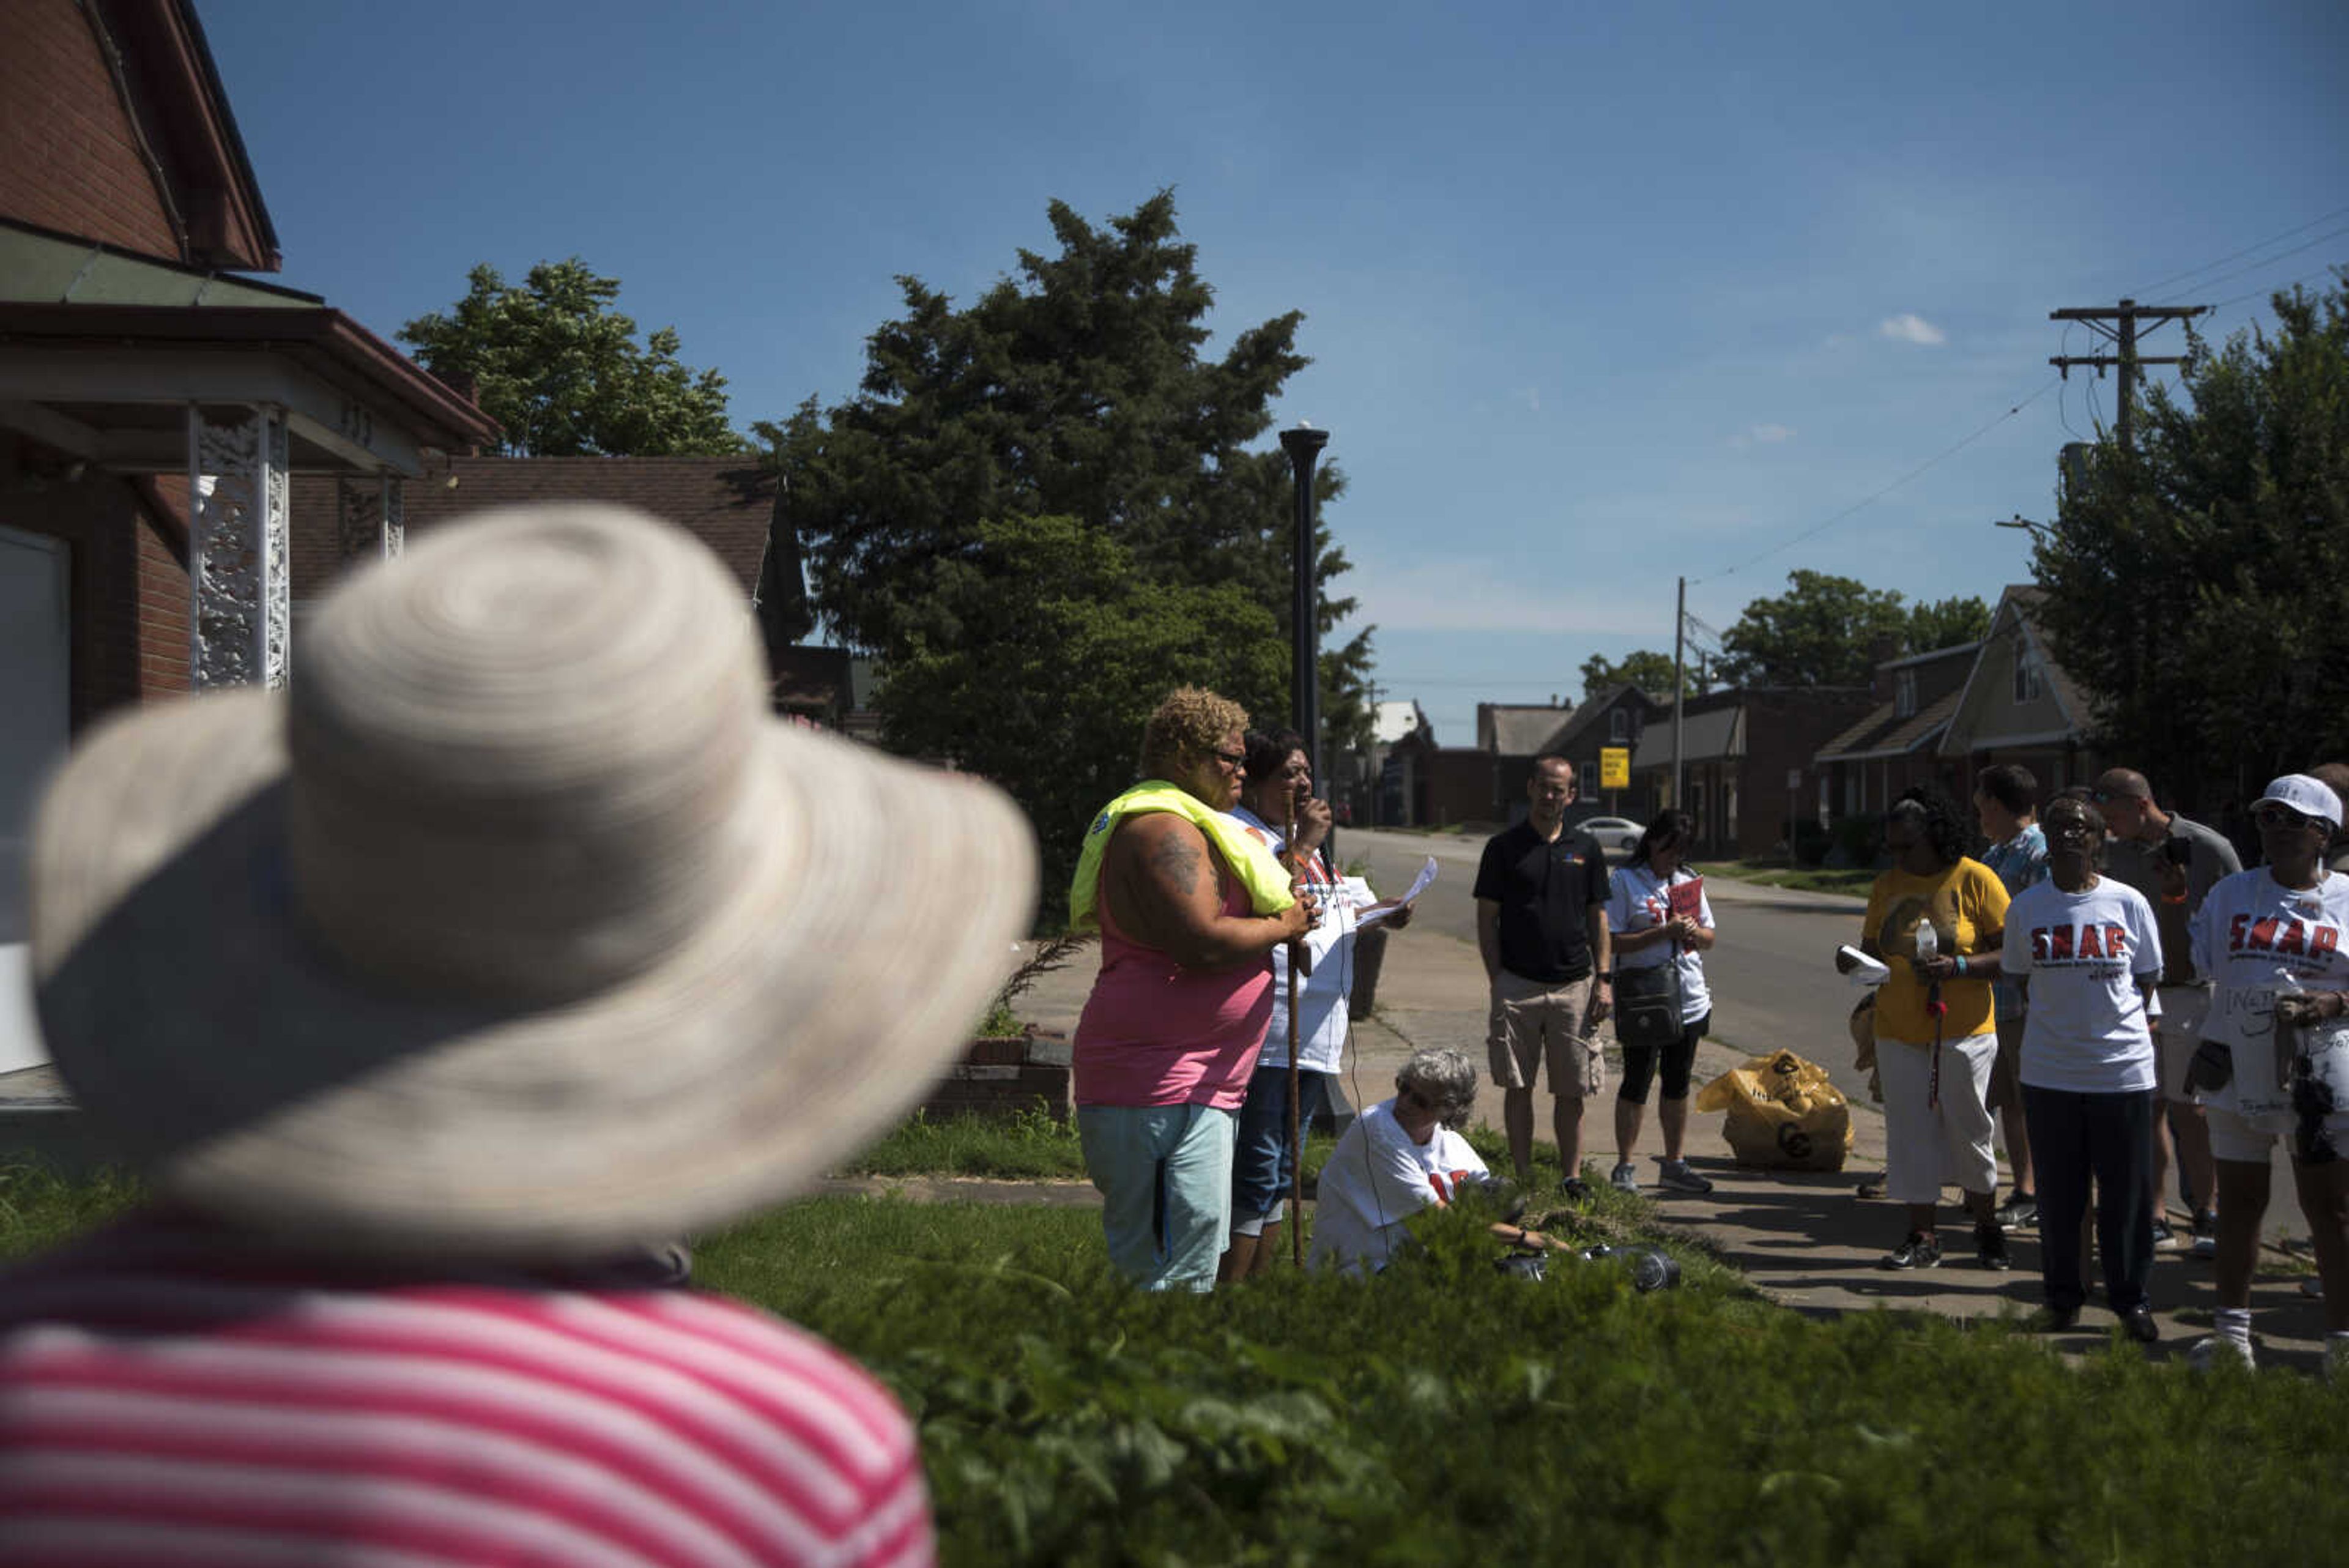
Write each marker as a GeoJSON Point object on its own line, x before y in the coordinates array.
{"type": "Point", "coordinates": [1778, 874]}
{"type": "Point", "coordinates": [1031, 1145]}
{"type": "Point", "coordinates": [1444, 1413]}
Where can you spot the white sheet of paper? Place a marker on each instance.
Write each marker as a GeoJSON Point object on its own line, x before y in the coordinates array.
{"type": "Point", "coordinates": [1866, 970]}
{"type": "Point", "coordinates": [1419, 884]}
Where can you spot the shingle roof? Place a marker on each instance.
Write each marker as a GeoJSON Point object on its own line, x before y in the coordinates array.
{"type": "Point", "coordinates": [1711, 733]}
{"type": "Point", "coordinates": [1523, 732]}
{"type": "Point", "coordinates": [1883, 733]}
{"type": "Point", "coordinates": [724, 502]}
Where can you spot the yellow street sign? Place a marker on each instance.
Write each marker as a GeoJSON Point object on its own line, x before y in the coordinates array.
{"type": "Point", "coordinates": [1614, 767]}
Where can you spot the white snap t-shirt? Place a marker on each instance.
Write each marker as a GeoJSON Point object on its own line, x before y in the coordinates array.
{"type": "Point", "coordinates": [2255, 939]}
{"type": "Point", "coordinates": [2085, 955]}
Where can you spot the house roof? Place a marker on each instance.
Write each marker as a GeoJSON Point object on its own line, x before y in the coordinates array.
{"type": "Point", "coordinates": [1390, 721]}
{"type": "Point", "coordinates": [1520, 731]}
{"type": "Point", "coordinates": [173, 92]}
{"type": "Point", "coordinates": [1883, 733]}
{"type": "Point", "coordinates": [726, 503]}
{"type": "Point", "coordinates": [1568, 735]}
{"type": "Point", "coordinates": [1707, 735]}
{"type": "Point", "coordinates": [43, 266]}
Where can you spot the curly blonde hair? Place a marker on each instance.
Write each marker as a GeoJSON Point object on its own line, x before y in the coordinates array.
{"type": "Point", "coordinates": [1189, 724]}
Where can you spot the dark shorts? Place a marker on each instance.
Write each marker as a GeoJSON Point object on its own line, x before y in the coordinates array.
{"type": "Point", "coordinates": [1640, 1065]}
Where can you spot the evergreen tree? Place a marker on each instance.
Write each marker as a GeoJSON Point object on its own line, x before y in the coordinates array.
{"type": "Point", "coordinates": [1075, 390]}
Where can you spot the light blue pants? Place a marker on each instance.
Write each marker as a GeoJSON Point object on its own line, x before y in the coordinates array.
{"type": "Point", "coordinates": [1165, 1175]}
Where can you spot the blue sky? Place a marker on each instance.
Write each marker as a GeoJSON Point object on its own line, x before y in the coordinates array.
{"type": "Point", "coordinates": [1594, 299]}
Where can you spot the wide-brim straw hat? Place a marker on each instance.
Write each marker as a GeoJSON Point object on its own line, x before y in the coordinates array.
{"type": "Point", "coordinates": [519, 926]}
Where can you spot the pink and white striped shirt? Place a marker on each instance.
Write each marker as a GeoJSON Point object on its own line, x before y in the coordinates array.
{"type": "Point", "coordinates": [171, 1393]}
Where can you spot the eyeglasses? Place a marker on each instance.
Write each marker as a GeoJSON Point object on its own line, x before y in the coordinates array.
{"type": "Point", "coordinates": [2273, 814]}
{"type": "Point", "coordinates": [1229, 759]}
{"type": "Point", "coordinates": [2107, 796]}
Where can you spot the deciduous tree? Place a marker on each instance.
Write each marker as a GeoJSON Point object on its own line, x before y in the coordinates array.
{"type": "Point", "coordinates": [2196, 587]}
{"type": "Point", "coordinates": [562, 374]}
{"type": "Point", "coordinates": [1650, 671]}
{"type": "Point", "coordinates": [1826, 630]}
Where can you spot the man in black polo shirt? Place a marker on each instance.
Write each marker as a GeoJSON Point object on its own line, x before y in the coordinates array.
{"type": "Point", "coordinates": [1541, 925]}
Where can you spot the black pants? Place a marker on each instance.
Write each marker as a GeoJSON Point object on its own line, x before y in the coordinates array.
{"type": "Point", "coordinates": [2109, 1136]}
{"type": "Point", "coordinates": [1640, 1065]}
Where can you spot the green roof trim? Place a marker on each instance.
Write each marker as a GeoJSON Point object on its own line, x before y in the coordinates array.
{"type": "Point", "coordinates": [37, 268]}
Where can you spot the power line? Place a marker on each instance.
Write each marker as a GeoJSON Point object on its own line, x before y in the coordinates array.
{"type": "Point", "coordinates": [2274, 288]}
{"type": "Point", "coordinates": [1870, 500]}
{"type": "Point", "coordinates": [2269, 261]}
{"type": "Point", "coordinates": [2247, 250]}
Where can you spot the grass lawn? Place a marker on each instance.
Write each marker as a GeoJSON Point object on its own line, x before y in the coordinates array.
{"type": "Point", "coordinates": [1444, 1413]}
{"type": "Point", "coordinates": [1778, 874]}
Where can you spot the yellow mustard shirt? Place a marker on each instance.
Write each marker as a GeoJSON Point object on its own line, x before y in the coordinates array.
{"type": "Point", "coordinates": [1966, 903]}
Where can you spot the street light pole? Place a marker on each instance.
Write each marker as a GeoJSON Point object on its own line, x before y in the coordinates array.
{"type": "Point", "coordinates": [1303, 445]}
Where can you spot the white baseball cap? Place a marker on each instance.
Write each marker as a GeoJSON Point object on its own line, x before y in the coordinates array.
{"type": "Point", "coordinates": [2306, 795]}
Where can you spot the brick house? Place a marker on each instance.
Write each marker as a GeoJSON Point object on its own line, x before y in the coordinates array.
{"type": "Point", "coordinates": [155, 403]}
{"type": "Point", "coordinates": [1863, 770]}
{"type": "Point", "coordinates": [1746, 755]}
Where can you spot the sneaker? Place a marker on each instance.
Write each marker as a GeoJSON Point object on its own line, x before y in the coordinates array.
{"type": "Point", "coordinates": [1681, 1179]}
{"type": "Point", "coordinates": [1624, 1178]}
{"type": "Point", "coordinates": [2218, 1350]}
{"type": "Point", "coordinates": [2164, 1238]}
{"type": "Point", "coordinates": [1577, 1190]}
{"type": "Point", "coordinates": [2313, 1287]}
{"type": "Point", "coordinates": [2020, 1212]}
{"type": "Point", "coordinates": [2140, 1324]}
{"type": "Point", "coordinates": [2206, 1233]}
{"type": "Point", "coordinates": [1921, 1251]}
{"type": "Point", "coordinates": [1870, 1187]}
{"type": "Point", "coordinates": [1989, 1248]}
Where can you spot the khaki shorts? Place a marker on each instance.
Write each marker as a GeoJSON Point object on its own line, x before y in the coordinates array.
{"type": "Point", "coordinates": [2177, 1032]}
{"type": "Point", "coordinates": [1535, 1022]}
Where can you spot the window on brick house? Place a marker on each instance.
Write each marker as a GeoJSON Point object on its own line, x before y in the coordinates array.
{"type": "Point", "coordinates": [1904, 694]}
{"type": "Point", "coordinates": [1619, 725]}
{"type": "Point", "coordinates": [2027, 683]}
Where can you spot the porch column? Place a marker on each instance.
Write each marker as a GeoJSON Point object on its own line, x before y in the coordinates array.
{"type": "Point", "coordinates": [370, 516]}
{"type": "Point", "coordinates": [240, 555]}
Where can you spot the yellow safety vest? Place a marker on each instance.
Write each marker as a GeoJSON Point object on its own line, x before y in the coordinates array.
{"type": "Point", "coordinates": [1251, 859]}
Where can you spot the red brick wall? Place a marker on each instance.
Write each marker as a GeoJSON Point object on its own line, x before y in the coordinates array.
{"type": "Point", "coordinates": [68, 157]}
{"type": "Point", "coordinates": [163, 608]}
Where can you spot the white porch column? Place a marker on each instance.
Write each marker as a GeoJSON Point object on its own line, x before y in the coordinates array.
{"type": "Point", "coordinates": [370, 518]}
{"type": "Point", "coordinates": [240, 554]}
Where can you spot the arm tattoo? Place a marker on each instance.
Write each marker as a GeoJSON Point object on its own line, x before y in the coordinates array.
{"type": "Point", "coordinates": [1175, 863]}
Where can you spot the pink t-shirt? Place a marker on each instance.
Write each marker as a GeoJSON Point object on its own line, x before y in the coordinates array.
{"type": "Point", "coordinates": [1155, 1033]}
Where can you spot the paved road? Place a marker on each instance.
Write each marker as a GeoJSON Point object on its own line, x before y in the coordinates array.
{"type": "Point", "coordinates": [1772, 973]}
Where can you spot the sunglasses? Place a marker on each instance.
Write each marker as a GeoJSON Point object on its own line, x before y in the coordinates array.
{"type": "Point", "coordinates": [1229, 759]}
{"type": "Point", "coordinates": [2275, 816]}
{"type": "Point", "coordinates": [2107, 797]}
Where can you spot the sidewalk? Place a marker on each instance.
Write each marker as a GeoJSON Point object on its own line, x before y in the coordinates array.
{"type": "Point", "coordinates": [1803, 1239]}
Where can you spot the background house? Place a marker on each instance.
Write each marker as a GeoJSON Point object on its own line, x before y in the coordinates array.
{"type": "Point", "coordinates": [1863, 769]}
{"type": "Point", "coordinates": [155, 406]}
{"type": "Point", "coordinates": [1746, 755]}
{"type": "Point", "coordinates": [2018, 705]}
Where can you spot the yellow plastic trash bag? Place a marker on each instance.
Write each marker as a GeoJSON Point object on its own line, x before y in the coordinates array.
{"type": "Point", "coordinates": [1783, 1112]}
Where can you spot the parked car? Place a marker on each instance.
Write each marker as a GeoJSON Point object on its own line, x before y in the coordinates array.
{"type": "Point", "coordinates": [1615, 836]}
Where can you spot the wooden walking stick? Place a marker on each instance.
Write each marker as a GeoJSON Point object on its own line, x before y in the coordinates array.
{"type": "Point", "coordinates": [1296, 1135]}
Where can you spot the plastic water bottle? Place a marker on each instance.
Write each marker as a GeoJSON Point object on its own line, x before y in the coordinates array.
{"type": "Point", "coordinates": [1929, 942]}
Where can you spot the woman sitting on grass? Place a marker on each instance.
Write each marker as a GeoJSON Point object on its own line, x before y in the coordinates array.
{"type": "Point", "coordinates": [1398, 1158]}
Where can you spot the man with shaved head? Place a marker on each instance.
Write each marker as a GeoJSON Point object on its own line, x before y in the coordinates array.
{"type": "Point", "coordinates": [2173, 862]}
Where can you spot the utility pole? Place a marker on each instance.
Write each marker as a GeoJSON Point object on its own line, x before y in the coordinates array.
{"type": "Point", "coordinates": [2121, 333]}
{"type": "Point", "coordinates": [1680, 683]}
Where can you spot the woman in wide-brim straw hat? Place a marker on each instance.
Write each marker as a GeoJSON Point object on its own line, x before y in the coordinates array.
{"type": "Point", "coordinates": [517, 935]}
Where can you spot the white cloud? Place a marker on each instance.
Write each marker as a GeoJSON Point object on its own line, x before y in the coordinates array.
{"type": "Point", "coordinates": [1760, 435]}
{"type": "Point", "coordinates": [1910, 327]}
